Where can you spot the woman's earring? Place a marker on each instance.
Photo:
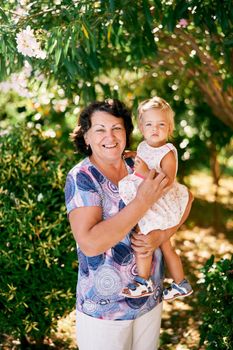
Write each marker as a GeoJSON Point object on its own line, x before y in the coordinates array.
{"type": "Point", "coordinates": [87, 147]}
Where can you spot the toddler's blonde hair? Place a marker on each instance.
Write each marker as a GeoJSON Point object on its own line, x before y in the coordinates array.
{"type": "Point", "coordinates": [160, 104]}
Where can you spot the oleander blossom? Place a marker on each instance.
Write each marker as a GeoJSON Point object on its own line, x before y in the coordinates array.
{"type": "Point", "coordinates": [40, 197]}
{"type": "Point", "coordinates": [19, 14]}
{"type": "Point", "coordinates": [183, 22]}
{"type": "Point", "coordinates": [28, 45]}
{"type": "Point", "coordinates": [18, 82]}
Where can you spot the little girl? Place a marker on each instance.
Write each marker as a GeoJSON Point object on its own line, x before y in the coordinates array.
{"type": "Point", "coordinates": [156, 123]}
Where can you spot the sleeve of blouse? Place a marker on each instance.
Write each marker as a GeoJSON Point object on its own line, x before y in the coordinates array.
{"type": "Point", "coordinates": [81, 191]}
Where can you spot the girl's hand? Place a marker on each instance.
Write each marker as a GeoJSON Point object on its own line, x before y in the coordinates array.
{"type": "Point", "coordinates": [141, 167]}
{"type": "Point", "coordinates": [129, 154]}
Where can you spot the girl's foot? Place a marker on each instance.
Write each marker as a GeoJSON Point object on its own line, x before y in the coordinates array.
{"type": "Point", "coordinates": [140, 287]}
{"type": "Point", "coordinates": [181, 290]}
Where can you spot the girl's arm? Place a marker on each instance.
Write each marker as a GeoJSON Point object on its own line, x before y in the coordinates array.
{"type": "Point", "coordinates": [95, 235]}
{"type": "Point", "coordinates": [141, 167]}
{"type": "Point", "coordinates": [169, 167]}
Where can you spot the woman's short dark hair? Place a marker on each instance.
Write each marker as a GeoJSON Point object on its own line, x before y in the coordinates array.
{"type": "Point", "coordinates": [114, 107]}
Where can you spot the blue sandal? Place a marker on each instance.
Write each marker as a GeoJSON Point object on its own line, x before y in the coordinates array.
{"type": "Point", "coordinates": [139, 288]}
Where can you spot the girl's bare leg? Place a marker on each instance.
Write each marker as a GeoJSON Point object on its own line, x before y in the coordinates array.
{"type": "Point", "coordinates": [144, 266]}
{"type": "Point", "coordinates": [173, 262]}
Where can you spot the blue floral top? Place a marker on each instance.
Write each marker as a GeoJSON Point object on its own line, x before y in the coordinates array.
{"type": "Point", "coordinates": [101, 278]}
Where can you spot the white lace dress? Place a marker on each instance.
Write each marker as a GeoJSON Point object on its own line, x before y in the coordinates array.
{"type": "Point", "coordinates": [169, 209]}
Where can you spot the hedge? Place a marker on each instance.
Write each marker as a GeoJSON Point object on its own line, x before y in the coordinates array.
{"type": "Point", "coordinates": [38, 255]}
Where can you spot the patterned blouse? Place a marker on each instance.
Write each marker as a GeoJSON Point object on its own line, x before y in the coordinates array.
{"type": "Point", "coordinates": [101, 278]}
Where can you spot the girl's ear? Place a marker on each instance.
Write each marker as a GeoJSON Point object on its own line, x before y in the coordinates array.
{"type": "Point", "coordinates": [140, 126]}
{"type": "Point", "coordinates": [170, 131]}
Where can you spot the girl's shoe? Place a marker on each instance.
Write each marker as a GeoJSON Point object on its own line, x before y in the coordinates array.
{"type": "Point", "coordinates": [181, 290]}
{"type": "Point", "coordinates": [139, 288]}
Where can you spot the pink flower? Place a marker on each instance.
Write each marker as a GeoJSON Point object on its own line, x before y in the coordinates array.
{"type": "Point", "coordinates": [183, 22]}
{"type": "Point", "coordinates": [27, 44]}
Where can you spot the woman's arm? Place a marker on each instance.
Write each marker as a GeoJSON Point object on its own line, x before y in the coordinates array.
{"type": "Point", "coordinates": [144, 245]}
{"type": "Point", "coordinates": [95, 235]}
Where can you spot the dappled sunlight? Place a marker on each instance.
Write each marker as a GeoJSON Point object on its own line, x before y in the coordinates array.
{"type": "Point", "coordinates": [181, 317]}
{"type": "Point", "coordinates": [209, 234]}
{"type": "Point", "coordinates": [203, 188]}
{"type": "Point", "coordinates": [66, 332]}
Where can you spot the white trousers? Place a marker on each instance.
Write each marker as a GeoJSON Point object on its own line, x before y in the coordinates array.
{"type": "Point", "coordinates": [139, 334]}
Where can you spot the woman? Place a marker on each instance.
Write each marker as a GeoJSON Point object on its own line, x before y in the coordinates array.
{"type": "Point", "coordinates": [102, 227]}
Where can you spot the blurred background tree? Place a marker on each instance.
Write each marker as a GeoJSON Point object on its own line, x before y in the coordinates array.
{"type": "Point", "coordinates": [59, 55]}
{"type": "Point", "coordinates": [84, 40]}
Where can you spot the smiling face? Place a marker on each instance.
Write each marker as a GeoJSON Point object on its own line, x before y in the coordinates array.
{"type": "Point", "coordinates": [154, 125]}
{"type": "Point", "coordinates": [106, 137]}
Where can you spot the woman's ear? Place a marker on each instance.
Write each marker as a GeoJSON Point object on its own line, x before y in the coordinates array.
{"type": "Point", "coordinates": [86, 138]}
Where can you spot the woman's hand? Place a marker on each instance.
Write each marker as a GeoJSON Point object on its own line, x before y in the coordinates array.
{"type": "Point", "coordinates": [145, 245]}
{"type": "Point", "coordinates": [152, 188]}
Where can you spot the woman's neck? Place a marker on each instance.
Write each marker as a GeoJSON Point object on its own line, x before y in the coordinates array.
{"type": "Point", "coordinates": [113, 170]}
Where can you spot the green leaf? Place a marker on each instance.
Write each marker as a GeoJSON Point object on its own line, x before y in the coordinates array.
{"type": "Point", "coordinates": [10, 43]}
{"type": "Point", "coordinates": [181, 9]}
{"type": "Point", "coordinates": [84, 29]}
{"type": "Point", "coordinates": [109, 33]}
{"type": "Point", "coordinates": [58, 53]}
{"type": "Point", "coordinates": [71, 67]}
{"type": "Point", "coordinates": [3, 15]}
{"type": "Point", "coordinates": [67, 44]}
{"type": "Point", "coordinates": [171, 21]}
{"type": "Point", "coordinates": [112, 5]}
{"type": "Point", "coordinates": [228, 42]}
{"type": "Point", "coordinates": [2, 45]}
{"type": "Point", "coordinates": [158, 4]}
{"type": "Point", "coordinates": [146, 10]}
{"type": "Point", "coordinates": [2, 67]}
{"type": "Point", "coordinates": [52, 46]}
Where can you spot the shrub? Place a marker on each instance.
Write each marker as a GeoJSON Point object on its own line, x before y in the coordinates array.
{"type": "Point", "coordinates": [216, 299]}
{"type": "Point", "coordinates": [38, 259]}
